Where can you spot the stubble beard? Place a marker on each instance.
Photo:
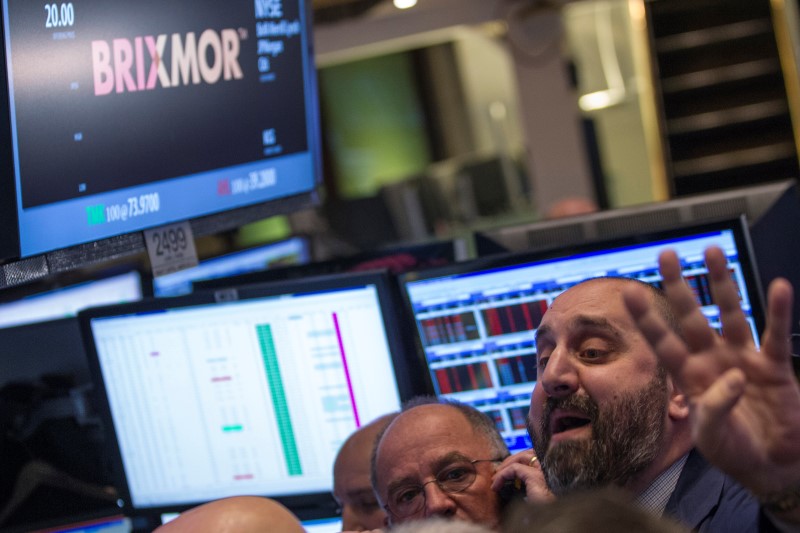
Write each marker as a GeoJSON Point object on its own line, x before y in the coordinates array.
{"type": "Point", "coordinates": [626, 438]}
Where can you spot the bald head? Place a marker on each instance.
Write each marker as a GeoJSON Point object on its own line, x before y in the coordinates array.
{"type": "Point", "coordinates": [424, 442]}
{"type": "Point", "coordinates": [351, 478]}
{"type": "Point", "coordinates": [241, 514]}
{"type": "Point", "coordinates": [570, 207]}
{"type": "Point", "coordinates": [360, 440]}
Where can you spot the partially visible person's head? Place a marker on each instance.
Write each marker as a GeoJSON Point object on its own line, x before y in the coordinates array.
{"type": "Point", "coordinates": [606, 510]}
{"type": "Point", "coordinates": [436, 459]}
{"type": "Point", "coordinates": [440, 525]}
{"type": "Point", "coordinates": [352, 488]}
{"type": "Point", "coordinates": [603, 411]}
{"type": "Point", "coordinates": [240, 514]}
{"type": "Point", "coordinates": [570, 207]}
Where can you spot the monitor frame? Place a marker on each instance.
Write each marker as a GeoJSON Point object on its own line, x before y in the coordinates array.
{"type": "Point", "coordinates": [16, 269]}
{"type": "Point", "coordinates": [55, 286]}
{"type": "Point", "coordinates": [424, 254]}
{"type": "Point", "coordinates": [307, 505]}
{"type": "Point", "coordinates": [621, 222]}
{"type": "Point", "coordinates": [301, 241]}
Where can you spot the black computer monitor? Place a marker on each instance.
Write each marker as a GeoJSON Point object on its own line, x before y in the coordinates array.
{"type": "Point", "coordinates": [111, 524]}
{"type": "Point", "coordinates": [39, 329]}
{"type": "Point", "coordinates": [753, 202]}
{"type": "Point", "coordinates": [124, 115]}
{"type": "Point", "coordinates": [65, 301]}
{"type": "Point", "coordinates": [476, 321]}
{"type": "Point", "coordinates": [244, 391]}
{"type": "Point", "coordinates": [396, 259]}
{"type": "Point", "coordinates": [293, 251]}
{"type": "Point", "coordinates": [44, 388]}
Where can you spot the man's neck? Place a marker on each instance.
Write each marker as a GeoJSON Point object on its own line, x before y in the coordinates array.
{"type": "Point", "coordinates": [638, 484]}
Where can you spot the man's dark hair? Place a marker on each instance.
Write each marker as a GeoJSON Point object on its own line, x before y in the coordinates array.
{"type": "Point", "coordinates": [606, 510]}
{"type": "Point", "coordinates": [480, 422]}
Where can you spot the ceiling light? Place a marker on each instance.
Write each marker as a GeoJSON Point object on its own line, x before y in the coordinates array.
{"type": "Point", "coordinates": [404, 4]}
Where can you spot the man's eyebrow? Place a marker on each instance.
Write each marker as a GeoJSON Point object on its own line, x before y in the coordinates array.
{"type": "Point", "coordinates": [599, 323]}
{"type": "Point", "coordinates": [359, 493]}
{"type": "Point", "coordinates": [541, 330]}
{"type": "Point", "coordinates": [436, 466]}
{"type": "Point", "coordinates": [587, 322]}
{"type": "Point", "coordinates": [450, 458]}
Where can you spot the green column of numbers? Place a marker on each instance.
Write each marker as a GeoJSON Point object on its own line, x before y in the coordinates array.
{"type": "Point", "coordinates": [270, 357]}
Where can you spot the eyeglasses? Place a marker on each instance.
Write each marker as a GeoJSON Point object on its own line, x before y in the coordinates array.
{"type": "Point", "coordinates": [407, 500]}
{"type": "Point", "coordinates": [794, 339]}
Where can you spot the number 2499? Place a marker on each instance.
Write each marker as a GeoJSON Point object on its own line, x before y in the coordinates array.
{"type": "Point", "coordinates": [168, 242]}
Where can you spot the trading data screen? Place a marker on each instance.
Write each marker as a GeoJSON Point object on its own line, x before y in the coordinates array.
{"type": "Point", "coordinates": [247, 397]}
{"type": "Point", "coordinates": [477, 327]}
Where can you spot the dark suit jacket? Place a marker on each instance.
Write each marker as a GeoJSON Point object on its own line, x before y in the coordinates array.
{"type": "Point", "coordinates": [707, 500]}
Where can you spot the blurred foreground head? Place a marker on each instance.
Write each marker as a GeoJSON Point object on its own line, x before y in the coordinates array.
{"type": "Point", "coordinates": [240, 514]}
{"type": "Point", "coordinates": [607, 510]}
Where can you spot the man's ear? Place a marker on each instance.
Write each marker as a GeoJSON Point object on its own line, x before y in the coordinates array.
{"type": "Point", "coordinates": [678, 406]}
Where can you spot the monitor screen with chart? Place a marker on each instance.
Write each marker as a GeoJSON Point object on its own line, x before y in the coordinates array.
{"type": "Point", "coordinates": [248, 391]}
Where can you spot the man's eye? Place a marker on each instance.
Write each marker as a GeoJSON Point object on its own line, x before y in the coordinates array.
{"type": "Point", "coordinates": [593, 353]}
{"type": "Point", "coordinates": [366, 506]}
{"type": "Point", "coordinates": [455, 473]}
{"type": "Point", "coordinates": [405, 495]}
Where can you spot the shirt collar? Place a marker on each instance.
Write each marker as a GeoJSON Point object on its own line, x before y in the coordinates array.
{"type": "Point", "coordinates": [655, 497]}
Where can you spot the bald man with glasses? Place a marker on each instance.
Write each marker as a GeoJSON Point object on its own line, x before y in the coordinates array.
{"type": "Point", "coordinates": [437, 459]}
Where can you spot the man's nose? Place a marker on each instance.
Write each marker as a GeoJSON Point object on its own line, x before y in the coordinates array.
{"type": "Point", "coordinates": [351, 520]}
{"type": "Point", "coordinates": [559, 377]}
{"type": "Point", "coordinates": [438, 502]}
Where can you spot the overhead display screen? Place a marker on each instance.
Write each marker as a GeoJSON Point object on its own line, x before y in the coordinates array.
{"type": "Point", "coordinates": [131, 114]}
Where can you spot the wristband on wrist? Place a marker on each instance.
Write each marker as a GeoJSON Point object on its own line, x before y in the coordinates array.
{"type": "Point", "coordinates": [783, 500]}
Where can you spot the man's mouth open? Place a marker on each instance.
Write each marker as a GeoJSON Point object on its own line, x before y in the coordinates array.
{"type": "Point", "coordinates": [569, 425]}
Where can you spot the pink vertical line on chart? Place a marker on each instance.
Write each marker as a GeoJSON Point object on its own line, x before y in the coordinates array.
{"type": "Point", "coordinates": [346, 369]}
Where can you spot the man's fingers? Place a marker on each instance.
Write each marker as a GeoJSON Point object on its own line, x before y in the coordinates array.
{"type": "Point", "coordinates": [524, 457]}
{"type": "Point", "coordinates": [726, 295]}
{"type": "Point", "coordinates": [514, 467]}
{"type": "Point", "coordinates": [504, 475]}
{"type": "Point", "coordinates": [694, 325]}
{"type": "Point", "coordinates": [779, 320]}
{"type": "Point", "coordinates": [667, 346]}
{"type": "Point", "coordinates": [524, 477]}
{"type": "Point", "coordinates": [711, 410]}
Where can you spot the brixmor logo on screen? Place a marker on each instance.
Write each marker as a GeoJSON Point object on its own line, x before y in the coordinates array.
{"type": "Point", "coordinates": [120, 65]}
